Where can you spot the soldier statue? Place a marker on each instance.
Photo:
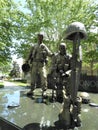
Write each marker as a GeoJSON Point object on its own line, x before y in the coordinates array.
{"type": "Point", "coordinates": [60, 71]}
{"type": "Point", "coordinates": [38, 58]}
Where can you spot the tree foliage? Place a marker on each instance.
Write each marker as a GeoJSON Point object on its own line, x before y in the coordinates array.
{"type": "Point", "coordinates": [52, 18]}
{"type": "Point", "coordinates": [15, 72]}
{"type": "Point", "coordinates": [5, 31]}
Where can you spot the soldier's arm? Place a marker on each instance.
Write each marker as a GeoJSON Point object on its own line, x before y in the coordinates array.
{"type": "Point", "coordinates": [54, 63]}
{"type": "Point", "coordinates": [49, 53]}
{"type": "Point", "coordinates": [30, 55]}
{"type": "Point", "coordinates": [70, 60]}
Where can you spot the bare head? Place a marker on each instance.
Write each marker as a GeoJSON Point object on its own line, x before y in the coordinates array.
{"type": "Point", "coordinates": [40, 38]}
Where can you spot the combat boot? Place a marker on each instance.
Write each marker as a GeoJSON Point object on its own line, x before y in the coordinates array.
{"type": "Point", "coordinates": [78, 123]}
{"type": "Point", "coordinates": [30, 93]}
{"type": "Point", "coordinates": [78, 103]}
{"type": "Point", "coordinates": [44, 94]}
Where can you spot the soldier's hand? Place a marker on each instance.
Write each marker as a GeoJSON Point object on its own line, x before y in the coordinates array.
{"type": "Point", "coordinates": [52, 54]}
{"type": "Point", "coordinates": [26, 62]}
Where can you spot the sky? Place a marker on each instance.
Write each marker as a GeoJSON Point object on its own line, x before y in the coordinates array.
{"type": "Point", "coordinates": [19, 60]}
{"type": "Point", "coordinates": [97, 1]}
{"type": "Point", "coordinates": [22, 4]}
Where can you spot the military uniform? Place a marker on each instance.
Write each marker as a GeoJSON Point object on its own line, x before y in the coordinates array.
{"type": "Point", "coordinates": [59, 71]}
{"type": "Point", "coordinates": [60, 65]}
{"type": "Point", "coordinates": [38, 58]}
{"type": "Point", "coordinates": [40, 54]}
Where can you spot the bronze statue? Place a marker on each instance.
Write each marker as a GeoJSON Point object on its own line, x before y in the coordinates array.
{"type": "Point", "coordinates": [60, 71]}
{"type": "Point", "coordinates": [38, 58]}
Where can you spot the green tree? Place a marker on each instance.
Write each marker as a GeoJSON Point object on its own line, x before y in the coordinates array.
{"type": "Point", "coordinates": [15, 72]}
{"type": "Point", "coordinates": [52, 17]}
{"type": "Point", "coordinates": [5, 32]}
{"type": "Point", "coordinates": [90, 55]}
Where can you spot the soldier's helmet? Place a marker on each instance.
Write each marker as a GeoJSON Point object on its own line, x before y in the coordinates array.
{"type": "Point", "coordinates": [25, 67]}
{"type": "Point", "coordinates": [73, 28]}
{"type": "Point", "coordinates": [40, 35]}
{"type": "Point", "coordinates": [62, 48]}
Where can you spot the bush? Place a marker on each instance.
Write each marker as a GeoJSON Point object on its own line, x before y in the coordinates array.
{"type": "Point", "coordinates": [1, 85]}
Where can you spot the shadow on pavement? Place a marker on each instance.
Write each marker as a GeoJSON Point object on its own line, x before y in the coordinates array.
{"type": "Point", "coordinates": [37, 126]}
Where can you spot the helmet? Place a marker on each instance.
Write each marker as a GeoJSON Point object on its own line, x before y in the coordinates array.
{"type": "Point", "coordinates": [62, 48]}
{"type": "Point", "coordinates": [63, 44]}
{"type": "Point", "coordinates": [85, 97]}
{"type": "Point", "coordinates": [73, 28]}
{"type": "Point", "coordinates": [25, 67]}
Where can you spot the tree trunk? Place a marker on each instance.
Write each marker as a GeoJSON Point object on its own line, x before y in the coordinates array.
{"type": "Point", "coordinates": [91, 66]}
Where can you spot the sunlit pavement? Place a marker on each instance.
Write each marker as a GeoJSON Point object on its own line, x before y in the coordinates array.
{"type": "Point", "coordinates": [11, 86]}
{"type": "Point", "coordinates": [29, 110]}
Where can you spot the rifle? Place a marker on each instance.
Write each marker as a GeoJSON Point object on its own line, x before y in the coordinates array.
{"type": "Point", "coordinates": [75, 75]}
{"type": "Point", "coordinates": [75, 32]}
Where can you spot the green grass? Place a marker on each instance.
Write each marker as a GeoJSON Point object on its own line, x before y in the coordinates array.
{"type": "Point", "coordinates": [20, 83]}
{"type": "Point", "coordinates": [1, 84]}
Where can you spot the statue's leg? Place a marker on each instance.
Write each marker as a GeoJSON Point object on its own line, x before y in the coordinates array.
{"type": "Point", "coordinates": [64, 115]}
{"type": "Point", "coordinates": [43, 77]}
{"type": "Point", "coordinates": [78, 104]}
{"type": "Point", "coordinates": [33, 80]}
